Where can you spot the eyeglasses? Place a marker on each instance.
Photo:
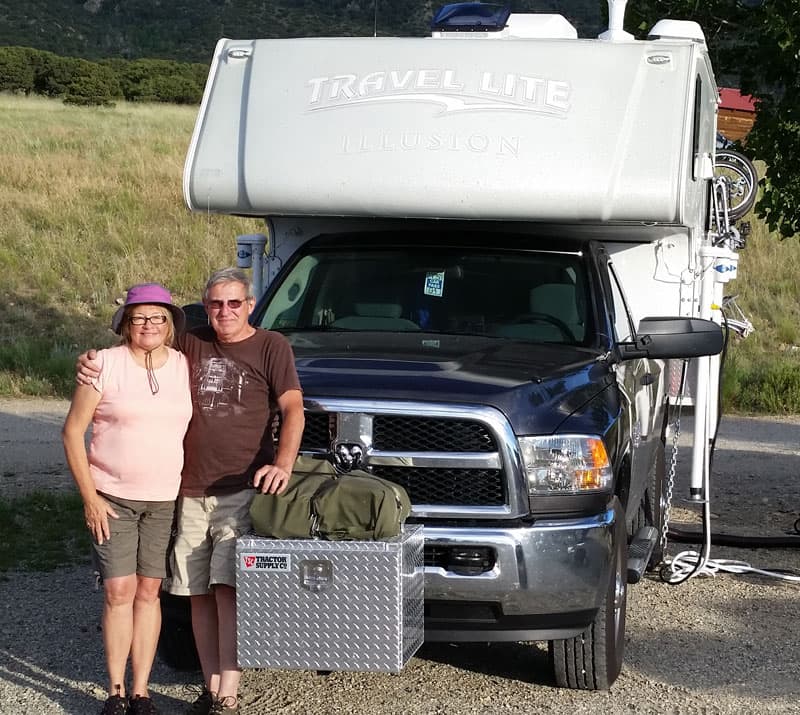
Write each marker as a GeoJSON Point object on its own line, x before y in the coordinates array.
{"type": "Point", "coordinates": [158, 319]}
{"type": "Point", "coordinates": [234, 304]}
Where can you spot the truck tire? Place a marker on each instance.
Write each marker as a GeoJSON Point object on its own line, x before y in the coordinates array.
{"type": "Point", "coordinates": [593, 659]}
{"type": "Point", "coordinates": [176, 642]}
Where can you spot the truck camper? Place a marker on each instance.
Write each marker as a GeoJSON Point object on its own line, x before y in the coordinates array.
{"type": "Point", "coordinates": [493, 251]}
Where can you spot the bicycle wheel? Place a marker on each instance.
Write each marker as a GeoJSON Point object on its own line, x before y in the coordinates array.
{"type": "Point", "coordinates": [741, 180]}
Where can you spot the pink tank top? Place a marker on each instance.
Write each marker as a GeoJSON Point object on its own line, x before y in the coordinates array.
{"type": "Point", "coordinates": [136, 450]}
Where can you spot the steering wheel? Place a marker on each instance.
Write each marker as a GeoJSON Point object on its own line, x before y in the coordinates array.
{"type": "Point", "coordinates": [562, 327]}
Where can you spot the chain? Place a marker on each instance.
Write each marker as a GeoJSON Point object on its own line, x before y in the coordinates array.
{"type": "Point", "coordinates": [673, 462]}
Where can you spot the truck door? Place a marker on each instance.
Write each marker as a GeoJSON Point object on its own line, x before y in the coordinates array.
{"type": "Point", "coordinates": [638, 380]}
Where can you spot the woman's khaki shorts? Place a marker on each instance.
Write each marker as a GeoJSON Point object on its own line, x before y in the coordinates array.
{"type": "Point", "coordinates": [204, 553]}
{"type": "Point", "coordinates": [139, 539]}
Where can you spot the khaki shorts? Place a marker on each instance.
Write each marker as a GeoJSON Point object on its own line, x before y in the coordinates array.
{"type": "Point", "coordinates": [204, 553]}
{"type": "Point", "coordinates": [139, 539]}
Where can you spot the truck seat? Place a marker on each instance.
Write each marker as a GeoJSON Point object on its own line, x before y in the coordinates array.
{"type": "Point", "coordinates": [561, 300]}
{"type": "Point", "coordinates": [556, 299]}
{"type": "Point", "coordinates": [375, 316]}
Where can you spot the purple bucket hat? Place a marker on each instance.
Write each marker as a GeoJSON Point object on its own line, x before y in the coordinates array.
{"type": "Point", "coordinates": [153, 294]}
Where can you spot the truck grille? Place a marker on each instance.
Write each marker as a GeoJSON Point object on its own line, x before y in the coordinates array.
{"type": "Point", "coordinates": [470, 485]}
{"type": "Point", "coordinates": [456, 487]}
{"type": "Point", "coordinates": [408, 434]}
{"type": "Point", "coordinates": [427, 434]}
{"type": "Point", "coordinates": [316, 436]}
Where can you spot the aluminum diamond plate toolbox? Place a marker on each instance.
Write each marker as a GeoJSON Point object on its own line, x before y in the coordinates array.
{"type": "Point", "coordinates": [330, 605]}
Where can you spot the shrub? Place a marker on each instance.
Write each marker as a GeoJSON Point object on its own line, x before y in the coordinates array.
{"type": "Point", "coordinates": [92, 84]}
{"type": "Point", "coordinates": [54, 74]}
{"type": "Point", "coordinates": [78, 81]}
{"type": "Point", "coordinates": [161, 81]}
{"type": "Point", "coordinates": [17, 72]}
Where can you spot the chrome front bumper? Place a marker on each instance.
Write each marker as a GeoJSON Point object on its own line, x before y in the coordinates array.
{"type": "Point", "coordinates": [552, 568]}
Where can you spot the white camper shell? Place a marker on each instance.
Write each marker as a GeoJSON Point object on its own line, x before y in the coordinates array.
{"type": "Point", "coordinates": [567, 131]}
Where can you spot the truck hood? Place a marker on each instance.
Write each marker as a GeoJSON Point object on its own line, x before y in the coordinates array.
{"type": "Point", "coordinates": [537, 386]}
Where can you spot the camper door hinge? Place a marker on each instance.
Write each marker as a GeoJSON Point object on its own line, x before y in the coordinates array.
{"type": "Point", "coordinates": [703, 166]}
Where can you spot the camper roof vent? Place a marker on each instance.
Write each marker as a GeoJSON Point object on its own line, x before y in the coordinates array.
{"type": "Point", "coordinates": [475, 19]}
{"type": "Point", "coordinates": [470, 17]}
{"type": "Point", "coordinates": [677, 30]}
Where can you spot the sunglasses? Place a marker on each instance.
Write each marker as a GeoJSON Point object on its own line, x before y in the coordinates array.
{"type": "Point", "coordinates": [232, 304]}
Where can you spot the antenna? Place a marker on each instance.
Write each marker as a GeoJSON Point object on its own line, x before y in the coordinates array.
{"type": "Point", "coordinates": [616, 17]}
{"type": "Point", "coordinates": [375, 21]}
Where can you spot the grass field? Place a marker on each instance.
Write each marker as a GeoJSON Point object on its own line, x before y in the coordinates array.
{"type": "Point", "coordinates": [56, 520]}
{"type": "Point", "coordinates": [91, 203]}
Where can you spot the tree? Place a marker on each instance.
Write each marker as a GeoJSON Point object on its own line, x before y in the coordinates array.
{"type": "Point", "coordinates": [161, 81]}
{"type": "Point", "coordinates": [92, 85]}
{"type": "Point", "coordinates": [16, 69]}
{"type": "Point", "coordinates": [54, 74]}
{"type": "Point", "coordinates": [755, 43]}
{"type": "Point", "coordinates": [770, 71]}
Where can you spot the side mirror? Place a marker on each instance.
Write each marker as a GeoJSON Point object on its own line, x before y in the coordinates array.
{"type": "Point", "coordinates": [674, 337]}
{"type": "Point", "coordinates": [196, 315]}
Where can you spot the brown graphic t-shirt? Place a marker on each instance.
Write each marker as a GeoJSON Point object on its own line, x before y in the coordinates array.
{"type": "Point", "coordinates": [235, 387]}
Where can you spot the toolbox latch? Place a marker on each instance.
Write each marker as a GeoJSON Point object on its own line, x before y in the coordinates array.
{"type": "Point", "coordinates": [316, 575]}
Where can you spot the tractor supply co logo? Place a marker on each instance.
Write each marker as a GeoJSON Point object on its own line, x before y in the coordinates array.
{"type": "Point", "coordinates": [445, 88]}
{"type": "Point", "coordinates": [266, 562]}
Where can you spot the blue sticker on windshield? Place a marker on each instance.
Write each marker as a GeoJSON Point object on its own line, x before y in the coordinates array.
{"type": "Point", "coordinates": [434, 284]}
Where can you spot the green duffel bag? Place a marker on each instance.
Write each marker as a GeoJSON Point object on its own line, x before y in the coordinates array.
{"type": "Point", "coordinates": [359, 506]}
{"type": "Point", "coordinates": [320, 503]}
{"type": "Point", "coordinates": [288, 515]}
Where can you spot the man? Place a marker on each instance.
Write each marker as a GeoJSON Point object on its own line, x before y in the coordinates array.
{"type": "Point", "coordinates": [238, 374]}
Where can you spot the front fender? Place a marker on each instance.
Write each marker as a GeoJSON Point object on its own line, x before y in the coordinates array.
{"type": "Point", "coordinates": [607, 415]}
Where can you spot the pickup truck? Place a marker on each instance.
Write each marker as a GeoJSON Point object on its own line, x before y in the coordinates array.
{"type": "Point", "coordinates": [500, 380]}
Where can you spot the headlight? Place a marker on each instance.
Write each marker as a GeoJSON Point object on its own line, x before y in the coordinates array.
{"type": "Point", "coordinates": [565, 464]}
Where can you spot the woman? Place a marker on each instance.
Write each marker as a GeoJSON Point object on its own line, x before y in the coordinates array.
{"type": "Point", "coordinates": [139, 409]}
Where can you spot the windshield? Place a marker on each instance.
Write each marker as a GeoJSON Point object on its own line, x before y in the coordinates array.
{"type": "Point", "coordinates": [518, 295]}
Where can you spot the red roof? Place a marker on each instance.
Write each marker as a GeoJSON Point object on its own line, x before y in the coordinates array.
{"type": "Point", "coordinates": [734, 99]}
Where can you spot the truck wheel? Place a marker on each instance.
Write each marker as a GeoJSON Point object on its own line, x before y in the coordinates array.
{"type": "Point", "coordinates": [593, 660]}
{"type": "Point", "coordinates": [176, 642]}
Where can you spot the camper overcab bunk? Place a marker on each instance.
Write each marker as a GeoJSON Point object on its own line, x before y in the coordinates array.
{"type": "Point", "coordinates": [473, 240]}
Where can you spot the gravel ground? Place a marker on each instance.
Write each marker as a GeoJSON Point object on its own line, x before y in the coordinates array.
{"type": "Point", "coordinates": [727, 644]}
